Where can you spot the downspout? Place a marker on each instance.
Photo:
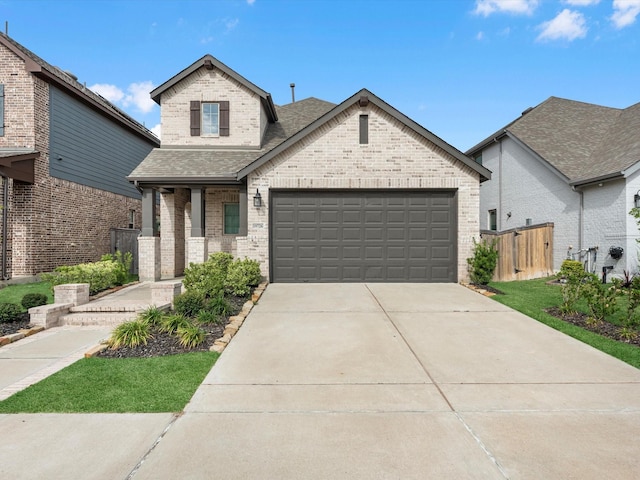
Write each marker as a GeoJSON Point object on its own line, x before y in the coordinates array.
{"type": "Point", "coordinates": [5, 213]}
{"type": "Point", "coordinates": [499, 213]}
{"type": "Point", "coordinates": [580, 218]}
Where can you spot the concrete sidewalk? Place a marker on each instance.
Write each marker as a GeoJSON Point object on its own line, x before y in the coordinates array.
{"type": "Point", "coordinates": [33, 358]}
{"type": "Point", "coordinates": [366, 381]}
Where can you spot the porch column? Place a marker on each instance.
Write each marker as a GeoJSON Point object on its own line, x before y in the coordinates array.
{"type": "Point", "coordinates": [242, 206]}
{"type": "Point", "coordinates": [197, 248]}
{"type": "Point", "coordinates": [149, 241]}
{"type": "Point", "coordinates": [172, 241]}
{"type": "Point", "coordinates": [149, 226]}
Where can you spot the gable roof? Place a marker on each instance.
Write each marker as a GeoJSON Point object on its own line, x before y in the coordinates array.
{"type": "Point", "coordinates": [221, 165]}
{"type": "Point", "coordinates": [349, 102]}
{"type": "Point", "coordinates": [67, 82]}
{"type": "Point", "coordinates": [581, 141]}
{"type": "Point", "coordinates": [180, 166]}
{"type": "Point", "coordinates": [209, 62]}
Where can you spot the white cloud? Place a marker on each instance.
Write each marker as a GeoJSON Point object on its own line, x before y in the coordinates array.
{"type": "Point", "coordinates": [157, 130]}
{"type": "Point", "coordinates": [138, 96]}
{"type": "Point", "coordinates": [625, 12]}
{"type": "Point", "coordinates": [110, 92]}
{"type": "Point", "coordinates": [567, 25]}
{"type": "Point", "coordinates": [251, 2]}
{"type": "Point", "coordinates": [517, 7]}
{"type": "Point", "coordinates": [582, 3]}
{"type": "Point", "coordinates": [480, 36]}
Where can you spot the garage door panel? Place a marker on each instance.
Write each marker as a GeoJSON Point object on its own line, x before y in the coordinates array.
{"type": "Point", "coordinates": [354, 236]}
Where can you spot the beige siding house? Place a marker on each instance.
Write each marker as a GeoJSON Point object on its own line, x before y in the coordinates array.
{"type": "Point", "coordinates": [315, 192]}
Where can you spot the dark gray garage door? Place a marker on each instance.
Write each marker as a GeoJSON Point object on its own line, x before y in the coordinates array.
{"type": "Point", "coordinates": [355, 236]}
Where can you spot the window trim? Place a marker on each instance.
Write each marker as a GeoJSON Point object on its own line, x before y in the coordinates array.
{"type": "Point", "coordinates": [492, 212]}
{"type": "Point", "coordinates": [1, 110]}
{"type": "Point", "coordinates": [203, 123]}
{"type": "Point", "coordinates": [224, 218]}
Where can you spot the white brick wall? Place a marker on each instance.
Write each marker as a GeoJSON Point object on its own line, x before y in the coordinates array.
{"type": "Point", "coordinates": [331, 157]}
{"type": "Point", "coordinates": [529, 190]}
{"type": "Point", "coordinates": [246, 117]}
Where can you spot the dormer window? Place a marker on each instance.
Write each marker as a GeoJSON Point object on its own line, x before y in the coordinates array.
{"type": "Point", "coordinates": [209, 118]}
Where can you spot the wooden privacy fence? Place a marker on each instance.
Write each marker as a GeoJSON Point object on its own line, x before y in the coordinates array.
{"type": "Point", "coordinates": [126, 240]}
{"type": "Point", "coordinates": [523, 253]}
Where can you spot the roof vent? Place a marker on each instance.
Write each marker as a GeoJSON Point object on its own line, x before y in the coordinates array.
{"type": "Point", "coordinates": [527, 111]}
{"type": "Point", "coordinates": [293, 92]}
{"type": "Point", "coordinates": [208, 64]}
{"type": "Point", "coordinates": [70, 74]}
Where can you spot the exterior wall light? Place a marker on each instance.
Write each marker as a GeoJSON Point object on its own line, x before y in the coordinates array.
{"type": "Point", "coordinates": [257, 199]}
{"type": "Point", "coordinates": [636, 199]}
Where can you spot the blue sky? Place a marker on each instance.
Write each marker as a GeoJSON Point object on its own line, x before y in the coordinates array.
{"type": "Point", "coordinates": [461, 68]}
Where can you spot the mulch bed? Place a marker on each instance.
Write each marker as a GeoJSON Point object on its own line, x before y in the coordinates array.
{"type": "Point", "coordinates": [164, 344]}
{"type": "Point", "coordinates": [605, 329]}
{"type": "Point", "coordinates": [14, 327]}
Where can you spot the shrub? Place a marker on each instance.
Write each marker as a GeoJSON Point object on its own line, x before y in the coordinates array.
{"type": "Point", "coordinates": [171, 323]}
{"type": "Point", "coordinates": [152, 315]}
{"type": "Point", "coordinates": [122, 262]}
{"type": "Point", "coordinates": [484, 261]}
{"type": "Point", "coordinates": [219, 305]}
{"type": "Point", "coordinates": [632, 292]}
{"type": "Point", "coordinates": [9, 312]}
{"type": "Point", "coordinates": [601, 299]}
{"type": "Point", "coordinates": [191, 335]}
{"type": "Point", "coordinates": [241, 276]}
{"type": "Point", "coordinates": [205, 316]}
{"type": "Point", "coordinates": [573, 275]}
{"type": "Point", "coordinates": [189, 303]}
{"type": "Point", "coordinates": [209, 277]}
{"type": "Point", "coordinates": [130, 334]}
{"type": "Point", "coordinates": [31, 300]}
{"type": "Point", "coordinates": [99, 275]}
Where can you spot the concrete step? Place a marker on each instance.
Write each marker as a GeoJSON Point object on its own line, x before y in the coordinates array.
{"type": "Point", "coordinates": [115, 307]}
{"type": "Point", "coordinates": [107, 319]}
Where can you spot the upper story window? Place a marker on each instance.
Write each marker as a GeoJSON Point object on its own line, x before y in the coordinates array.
{"type": "Point", "coordinates": [210, 118]}
{"type": "Point", "coordinates": [493, 219]}
{"type": "Point", "coordinates": [478, 158]}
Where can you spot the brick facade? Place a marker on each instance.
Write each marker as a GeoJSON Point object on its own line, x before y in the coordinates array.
{"type": "Point", "coordinates": [51, 222]}
{"type": "Point", "coordinates": [246, 116]}
{"type": "Point", "coordinates": [394, 158]}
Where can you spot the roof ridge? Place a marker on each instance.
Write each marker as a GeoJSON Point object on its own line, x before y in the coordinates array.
{"type": "Point", "coordinates": [73, 83]}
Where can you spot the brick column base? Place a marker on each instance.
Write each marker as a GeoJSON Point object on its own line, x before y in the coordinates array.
{"type": "Point", "coordinates": [197, 247]}
{"type": "Point", "coordinates": [149, 259]}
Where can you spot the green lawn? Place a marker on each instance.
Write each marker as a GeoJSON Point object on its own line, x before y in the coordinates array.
{"type": "Point", "coordinates": [160, 384]}
{"type": "Point", "coordinates": [531, 297]}
{"type": "Point", "coordinates": [14, 293]}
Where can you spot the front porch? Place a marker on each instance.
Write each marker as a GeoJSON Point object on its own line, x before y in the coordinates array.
{"type": "Point", "coordinates": [193, 222]}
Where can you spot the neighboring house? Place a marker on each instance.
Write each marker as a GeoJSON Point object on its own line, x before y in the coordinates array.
{"type": "Point", "coordinates": [64, 156]}
{"type": "Point", "coordinates": [576, 165]}
{"type": "Point", "coordinates": [315, 192]}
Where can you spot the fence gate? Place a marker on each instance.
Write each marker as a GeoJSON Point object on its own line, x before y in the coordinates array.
{"type": "Point", "coordinates": [523, 253]}
{"type": "Point", "coordinates": [126, 240]}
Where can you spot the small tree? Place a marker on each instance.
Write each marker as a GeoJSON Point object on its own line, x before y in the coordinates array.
{"type": "Point", "coordinates": [484, 261]}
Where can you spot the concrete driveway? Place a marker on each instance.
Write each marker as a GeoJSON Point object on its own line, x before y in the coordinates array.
{"type": "Point", "coordinates": [368, 381]}
{"type": "Point", "coordinates": [365, 381]}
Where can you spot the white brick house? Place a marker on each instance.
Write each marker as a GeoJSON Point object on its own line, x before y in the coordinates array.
{"type": "Point", "coordinates": [573, 164]}
{"type": "Point", "coordinates": [315, 191]}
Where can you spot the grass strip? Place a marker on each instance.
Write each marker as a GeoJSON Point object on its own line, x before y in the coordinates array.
{"type": "Point", "coordinates": [108, 385]}
{"type": "Point", "coordinates": [14, 293]}
{"type": "Point", "coordinates": [531, 297]}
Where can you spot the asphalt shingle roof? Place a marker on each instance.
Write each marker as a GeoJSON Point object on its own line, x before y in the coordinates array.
{"type": "Point", "coordinates": [202, 163]}
{"type": "Point", "coordinates": [581, 140]}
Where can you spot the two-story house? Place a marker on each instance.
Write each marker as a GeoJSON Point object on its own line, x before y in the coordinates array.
{"type": "Point", "coordinates": [64, 156]}
{"type": "Point", "coordinates": [573, 164]}
{"type": "Point", "coordinates": [316, 192]}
